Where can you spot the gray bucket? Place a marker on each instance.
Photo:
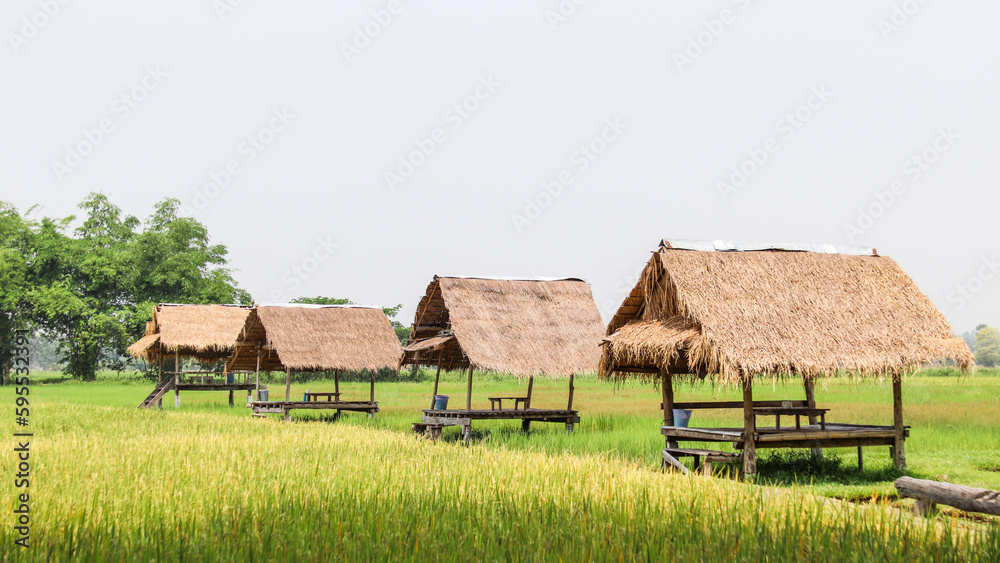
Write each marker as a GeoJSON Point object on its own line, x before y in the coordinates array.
{"type": "Point", "coordinates": [230, 378]}
{"type": "Point", "coordinates": [440, 402]}
{"type": "Point", "coordinates": [681, 417]}
{"type": "Point", "coordinates": [262, 394]}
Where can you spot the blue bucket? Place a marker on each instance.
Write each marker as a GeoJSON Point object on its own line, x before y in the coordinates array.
{"type": "Point", "coordinates": [681, 417]}
{"type": "Point", "coordinates": [440, 402]}
{"type": "Point", "coordinates": [230, 378]}
{"type": "Point", "coordinates": [262, 394]}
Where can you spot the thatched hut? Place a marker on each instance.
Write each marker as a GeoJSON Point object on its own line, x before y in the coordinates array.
{"type": "Point", "coordinates": [316, 338]}
{"type": "Point", "coordinates": [205, 333]}
{"type": "Point", "coordinates": [522, 328]}
{"type": "Point", "coordinates": [740, 310]}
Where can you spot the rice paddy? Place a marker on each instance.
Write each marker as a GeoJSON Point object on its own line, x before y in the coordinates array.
{"type": "Point", "coordinates": [206, 482]}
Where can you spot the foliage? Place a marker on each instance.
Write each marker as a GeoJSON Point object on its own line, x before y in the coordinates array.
{"type": "Point", "coordinates": [93, 289]}
{"type": "Point", "coordinates": [988, 346]}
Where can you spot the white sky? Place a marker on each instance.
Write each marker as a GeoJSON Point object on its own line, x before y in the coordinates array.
{"type": "Point", "coordinates": [890, 91]}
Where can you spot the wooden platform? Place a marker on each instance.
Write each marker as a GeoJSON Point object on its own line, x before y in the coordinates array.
{"type": "Point", "coordinates": [284, 407]}
{"type": "Point", "coordinates": [835, 435]}
{"type": "Point", "coordinates": [434, 420]}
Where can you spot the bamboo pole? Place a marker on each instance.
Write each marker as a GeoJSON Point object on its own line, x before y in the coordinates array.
{"type": "Point", "coordinates": [371, 395]}
{"type": "Point", "coordinates": [749, 431]}
{"type": "Point", "coordinates": [177, 369]}
{"type": "Point", "coordinates": [159, 360]}
{"type": "Point", "coordinates": [667, 389]}
{"type": "Point", "coordinates": [899, 452]}
{"type": "Point", "coordinates": [468, 390]}
{"type": "Point", "coordinates": [531, 384]}
{"type": "Point", "coordinates": [336, 383]}
{"type": "Point", "coordinates": [257, 379]}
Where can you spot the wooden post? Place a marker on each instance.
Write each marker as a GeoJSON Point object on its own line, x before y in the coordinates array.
{"type": "Point", "coordinates": [230, 397]}
{"type": "Point", "coordinates": [749, 431]}
{"type": "Point", "coordinates": [899, 453]}
{"type": "Point", "coordinates": [531, 384]}
{"type": "Point", "coordinates": [159, 360]}
{"type": "Point", "coordinates": [569, 406]}
{"type": "Point", "coordinates": [667, 390]}
{"type": "Point", "coordinates": [177, 379]}
{"type": "Point", "coordinates": [437, 378]}
{"type": "Point", "coordinates": [288, 384]}
{"type": "Point", "coordinates": [371, 394]}
{"type": "Point", "coordinates": [468, 392]}
{"type": "Point", "coordinates": [809, 385]}
{"type": "Point", "coordinates": [336, 383]}
{"type": "Point", "coordinates": [257, 379]}
{"type": "Point", "coordinates": [861, 460]}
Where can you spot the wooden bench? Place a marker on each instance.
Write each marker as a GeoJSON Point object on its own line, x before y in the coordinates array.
{"type": "Point", "coordinates": [316, 396]}
{"type": "Point", "coordinates": [496, 403]}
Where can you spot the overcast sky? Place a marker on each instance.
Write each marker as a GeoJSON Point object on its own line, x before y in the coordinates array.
{"type": "Point", "coordinates": [357, 150]}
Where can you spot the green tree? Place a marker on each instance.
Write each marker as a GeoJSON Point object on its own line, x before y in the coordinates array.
{"type": "Point", "coordinates": [987, 346]}
{"type": "Point", "coordinates": [15, 236]}
{"type": "Point", "coordinates": [93, 291]}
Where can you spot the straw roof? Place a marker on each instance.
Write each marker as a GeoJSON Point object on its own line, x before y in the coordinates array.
{"type": "Point", "coordinates": [774, 312]}
{"type": "Point", "coordinates": [316, 338]}
{"type": "Point", "coordinates": [204, 332]}
{"type": "Point", "coordinates": [520, 327]}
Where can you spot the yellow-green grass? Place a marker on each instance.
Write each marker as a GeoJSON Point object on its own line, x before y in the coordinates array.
{"type": "Point", "coordinates": [206, 482]}
{"type": "Point", "coordinates": [115, 483]}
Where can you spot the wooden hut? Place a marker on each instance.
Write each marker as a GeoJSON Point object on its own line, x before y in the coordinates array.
{"type": "Point", "coordinates": [518, 327]}
{"type": "Point", "coordinates": [316, 338]}
{"type": "Point", "coordinates": [205, 333]}
{"type": "Point", "coordinates": [740, 310]}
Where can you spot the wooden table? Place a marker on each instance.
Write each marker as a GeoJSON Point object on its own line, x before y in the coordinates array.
{"type": "Point", "coordinates": [797, 412]}
{"type": "Point", "coordinates": [496, 403]}
{"type": "Point", "coordinates": [316, 396]}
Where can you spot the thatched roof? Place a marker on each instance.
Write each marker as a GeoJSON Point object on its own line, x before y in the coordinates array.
{"type": "Point", "coordinates": [316, 338]}
{"type": "Point", "coordinates": [520, 327]}
{"type": "Point", "coordinates": [204, 332]}
{"type": "Point", "coordinates": [776, 312]}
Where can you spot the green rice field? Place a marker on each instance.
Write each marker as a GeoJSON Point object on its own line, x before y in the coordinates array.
{"type": "Point", "coordinates": [209, 482]}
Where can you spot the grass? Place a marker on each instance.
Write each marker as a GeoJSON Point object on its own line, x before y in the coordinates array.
{"type": "Point", "coordinates": [206, 482]}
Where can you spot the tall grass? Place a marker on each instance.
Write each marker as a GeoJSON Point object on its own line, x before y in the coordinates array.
{"type": "Point", "coordinates": [121, 484]}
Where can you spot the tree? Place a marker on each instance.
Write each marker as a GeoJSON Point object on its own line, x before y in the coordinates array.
{"type": "Point", "coordinates": [987, 346]}
{"type": "Point", "coordinates": [94, 291]}
{"type": "Point", "coordinates": [14, 238]}
{"type": "Point", "coordinates": [402, 333]}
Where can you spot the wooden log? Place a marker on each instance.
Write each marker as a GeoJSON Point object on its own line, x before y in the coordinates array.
{"type": "Point", "coordinates": [861, 459]}
{"type": "Point", "coordinates": [809, 385]}
{"type": "Point", "coordinates": [371, 394]}
{"type": "Point", "coordinates": [468, 391]}
{"type": "Point", "coordinates": [969, 499]}
{"type": "Point", "coordinates": [336, 382]}
{"type": "Point", "coordinates": [230, 398]}
{"type": "Point", "coordinates": [899, 452]}
{"type": "Point", "coordinates": [749, 431]}
{"type": "Point", "coordinates": [527, 402]}
{"type": "Point", "coordinates": [671, 461]}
